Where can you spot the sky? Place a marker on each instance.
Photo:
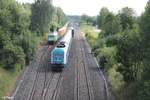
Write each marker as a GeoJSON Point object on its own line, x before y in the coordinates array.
{"type": "Point", "coordinates": [92, 7]}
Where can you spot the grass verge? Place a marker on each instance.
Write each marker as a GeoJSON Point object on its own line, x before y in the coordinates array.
{"type": "Point", "coordinates": [90, 34]}
{"type": "Point", "coordinates": [7, 81]}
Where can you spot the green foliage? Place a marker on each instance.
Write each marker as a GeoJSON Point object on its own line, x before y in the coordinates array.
{"type": "Point", "coordinates": [90, 34]}
{"type": "Point", "coordinates": [106, 57]}
{"type": "Point", "coordinates": [145, 24]}
{"type": "Point", "coordinates": [7, 81]}
{"type": "Point", "coordinates": [111, 25]}
{"type": "Point", "coordinates": [59, 18]}
{"type": "Point", "coordinates": [129, 53]}
{"type": "Point", "coordinates": [17, 43]}
{"type": "Point", "coordinates": [45, 15]}
{"type": "Point", "coordinates": [144, 90]}
{"type": "Point", "coordinates": [29, 44]}
{"type": "Point", "coordinates": [108, 22]}
{"type": "Point", "coordinates": [144, 21]}
{"type": "Point", "coordinates": [126, 18]}
{"type": "Point", "coordinates": [12, 55]}
{"type": "Point", "coordinates": [116, 78]}
{"type": "Point", "coordinates": [42, 11]}
{"type": "Point", "coordinates": [101, 18]}
{"type": "Point", "coordinates": [88, 19]}
{"type": "Point", "coordinates": [112, 40]}
{"type": "Point", "coordinates": [123, 51]}
{"type": "Point", "coordinates": [12, 24]}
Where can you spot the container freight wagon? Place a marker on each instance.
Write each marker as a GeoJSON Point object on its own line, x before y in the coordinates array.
{"type": "Point", "coordinates": [60, 54]}
{"type": "Point", "coordinates": [62, 31]}
{"type": "Point", "coordinates": [54, 36]}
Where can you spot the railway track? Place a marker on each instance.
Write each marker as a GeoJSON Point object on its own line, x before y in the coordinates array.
{"type": "Point", "coordinates": [81, 80]}
{"type": "Point", "coordinates": [21, 89]}
{"type": "Point", "coordinates": [93, 63]}
{"type": "Point", "coordinates": [79, 77]}
{"type": "Point", "coordinates": [47, 82]}
{"type": "Point", "coordinates": [39, 71]}
{"type": "Point", "coordinates": [89, 85]}
{"type": "Point", "coordinates": [48, 89]}
{"type": "Point", "coordinates": [41, 64]}
{"type": "Point", "coordinates": [83, 74]}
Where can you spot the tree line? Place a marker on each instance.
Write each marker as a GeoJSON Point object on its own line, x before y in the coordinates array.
{"type": "Point", "coordinates": [21, 28]}
{"type": "Point", "coordinates": [123, 51]}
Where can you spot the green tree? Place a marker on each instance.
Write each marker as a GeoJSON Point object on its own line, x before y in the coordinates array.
{"type": "Point", "coordinates": [10, 54]}
{"type": "Point", "coordinates": [42, 11]}
{"type": "Point", "coordinates": [145, 24]}
{"type": "Point", "coordinates": [88, 19]}
{"type": "Point", "coordinates": [14, 27]}
{"type": "Point", "coordinates": [58, 18]}
{"type": "Point", "coordinates": [111, 25]}
{"type": "Point", "coordinates": [129, 54]}
{"type": "Point", "coordinates": [123, 46]}
{"type": "Point", "coordinates": [102, 17]}
{"type": "Point", "coordinates": [144, 90]}
{"type": "Point", "coordinates": [126, 17]}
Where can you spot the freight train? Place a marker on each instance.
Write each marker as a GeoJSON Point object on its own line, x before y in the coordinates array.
{"type": "Point", "coordinates": [53, 37]}
{"type": "Point", "coordinates": [60, 54]}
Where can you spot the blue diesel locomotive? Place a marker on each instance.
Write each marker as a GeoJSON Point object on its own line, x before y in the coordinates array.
{"type": "Point", "coordinates": [52, 38]}
{"type": "Point", "coordinates": [60, 54]}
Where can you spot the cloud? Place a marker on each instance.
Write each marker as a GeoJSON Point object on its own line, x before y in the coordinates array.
{"type": "Point", "coordinates": [92, 7]}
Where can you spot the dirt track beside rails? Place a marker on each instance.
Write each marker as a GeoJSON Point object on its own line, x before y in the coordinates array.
{"type": "Point", "coordinates": [81, 80]}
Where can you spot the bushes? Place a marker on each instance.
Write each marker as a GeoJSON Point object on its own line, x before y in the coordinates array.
{"type": "Point", "coordinates": [129, 54]}
{"type": "Point", "coordinates": [28, 42]}
{"type": "Point", "coordinates": [120, 57]}
{"type": "Point", "coordinates": [123, 52]}
{"type": "Point", "coordinates": [12, 55]}
{"type": "Point", "coordinates": [90, 35]}
{"type": "Point", "coordinates": [91, 39]}
{"type": "Point", "coordinates": [17, 43]}
{"type": "Point", "coordinates": [7, 81]}
{"type": "Point", "coordinates": [116, 78]}
{"type": "Point", "coordinates": [144, 90]}
{"type": "Point", "coordinates": [106, 57]}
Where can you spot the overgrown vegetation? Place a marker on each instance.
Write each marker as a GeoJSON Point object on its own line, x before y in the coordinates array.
{"type": "Point", "coordinates": [7, 81]}
{"type": "Point", "coordinates": [88, 19]}
{"type": "Point", "coordinates": [123, 51]}
{"type": "Point", "coordinates": [90, 34]}
{"type": "Point", "coordinates": [21, 28]}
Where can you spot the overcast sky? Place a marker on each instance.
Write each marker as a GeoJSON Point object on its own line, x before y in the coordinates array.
{"type": "Point", "coordinates": [92, 7]}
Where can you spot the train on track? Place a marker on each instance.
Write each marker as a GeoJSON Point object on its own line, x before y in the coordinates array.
{"type": "Point", "coordinates": [53, 37]}
{"type": "Point", "coordinates": [60, 54]}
